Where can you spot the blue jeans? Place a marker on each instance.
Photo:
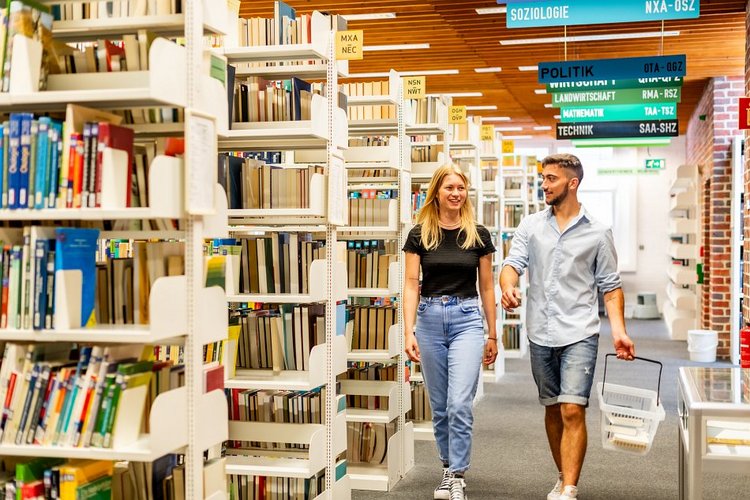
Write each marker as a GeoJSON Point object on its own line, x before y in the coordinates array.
{"type": "Point", "coordinates": [450, 334]}
{"type": "Point", "coordinates": [564, 374]}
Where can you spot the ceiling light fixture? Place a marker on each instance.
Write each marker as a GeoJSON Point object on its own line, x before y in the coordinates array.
{"type": "Point", "coordinates": [385, 74]}
{"type": "Point", "coordinates": [528, 68]}
{"type": "Point", "coordinates": [508, 129]}
{"type": "Point", "coordinates": [491, 10]}
{"type": "Point", "coordinates": [481, 108]}
{"type": "Point", "coordinates": [623, 141]}
{"type": "Point", "coordinates": [543, 127]}
{"type": "Point", "coordinates": [556, 117]}
{"type": "Point", "coordinates": [494, 69]}
{"type": "Point", "coordinates": [454, 94]}
{"type": "Point", "coordinates": [548, 105]}
{"type": "Point", "coordinates": [517, 137]}
{"type": "Point", "coordinates": [496, 118]}
{"type": "Point", "coordinates": [540, 91]}
{"type": "Point", "coordinates": [590, 38]}
{"type": "Point", "coordinates": [369, 17]}
{"type": "Point", "coordinates": [403, 46]}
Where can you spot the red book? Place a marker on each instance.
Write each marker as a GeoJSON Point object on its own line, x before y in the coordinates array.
{"type": "Point", "coordinates": [71, 167]}
{"type": "Point", "coordinates": [213, 378]}
{"type": "Point", "coordinates": [5, 288]}
{"type": "Point", "coordinates": [32, 490]}
{"type": "Point", "coordinates": [116, 137]}
{"type": "Point", "coordinates": [77, 171]}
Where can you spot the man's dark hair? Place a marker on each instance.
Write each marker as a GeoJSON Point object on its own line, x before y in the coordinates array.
{"type": "Point", "coordinates": [565, 160]}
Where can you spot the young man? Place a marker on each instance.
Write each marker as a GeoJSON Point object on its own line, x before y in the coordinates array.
{"type": "Point", "coordinates": [569, 256]}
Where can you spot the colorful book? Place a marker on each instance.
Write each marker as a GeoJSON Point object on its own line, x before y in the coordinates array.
{"type": "Point", "coordinates": [75, 276]}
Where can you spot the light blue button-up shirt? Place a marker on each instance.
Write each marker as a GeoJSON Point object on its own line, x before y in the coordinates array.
{"type": "Point", "coordinates": [565, 270]}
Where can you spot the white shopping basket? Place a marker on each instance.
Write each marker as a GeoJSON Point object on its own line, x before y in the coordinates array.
{"type": "Point", "coordinates": [630, 416]}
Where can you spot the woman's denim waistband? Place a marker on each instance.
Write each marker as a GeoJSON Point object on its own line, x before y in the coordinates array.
{"type": "Point", "coordinates": [447, 299]}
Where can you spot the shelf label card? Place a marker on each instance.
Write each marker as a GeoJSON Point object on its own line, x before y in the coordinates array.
{"type": "Point", "coordinates": [415, 87]}
{"type": "Point", "coordinates": [349, 45]}
{"type": "Point", "coordinates": [457, 114]}
{"type": "Point", "coordinates": [487, 133]}
{"type": "Point", "coordinates": [525, 14]}
{"type": "Point", "coordinates": [509, 147]}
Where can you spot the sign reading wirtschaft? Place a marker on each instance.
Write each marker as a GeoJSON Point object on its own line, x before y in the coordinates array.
{"type": "Point", "coordinates": [616, 130]}
{"type": "Point", "coordinates": [575, 12]}
{"type": "Point", "coordinates": [618, 96]}
{"type": "Point", "coordinates": [612, 69]}
{"type": "Point", "coordinates": [626, 83]}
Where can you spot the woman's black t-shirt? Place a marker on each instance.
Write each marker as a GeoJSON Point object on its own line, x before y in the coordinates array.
{"type": "Point", "coordinates": [449, 269]}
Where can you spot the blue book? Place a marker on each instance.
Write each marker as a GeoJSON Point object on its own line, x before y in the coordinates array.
{"type": "Point", "coordinates": [24, 165]}
{"type": "Point", "coordinates": [55, 145]}
{"type": "Point", "coordinates": [75, 273]}
{"type": "Point", "coordinates": [3, 169]}
{"type": "Point", "coordinates": [14, 159]}
{"type": "Point", "coordinates": [280, 11]}
{"type": "Point", "coordinates": [40, 284]}
{"type": "Point", "coordinates": [41, 189]}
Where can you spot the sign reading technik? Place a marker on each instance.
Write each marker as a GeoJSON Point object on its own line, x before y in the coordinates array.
{"type": "Point", "coordinates": [525, 14]}
{"type": "Point", "coordinates": [615, 130]}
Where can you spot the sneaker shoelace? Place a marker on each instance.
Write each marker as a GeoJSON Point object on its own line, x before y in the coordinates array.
{"type": "Point", "coordinates": [445, 483]}
{"type": "Point", "coordinates": [457, 489]}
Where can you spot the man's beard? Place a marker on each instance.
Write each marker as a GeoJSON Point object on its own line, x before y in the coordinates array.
{"type": "Point", "coordinates": [557, 200]}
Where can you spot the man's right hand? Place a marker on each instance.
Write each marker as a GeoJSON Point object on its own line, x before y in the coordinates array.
{"type": "Point", "coordinates": [411, 347]}
{"type": "Point", "coordinates": [510, 299]}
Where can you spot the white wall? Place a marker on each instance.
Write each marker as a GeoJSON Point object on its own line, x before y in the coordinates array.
{"type": "Point", "coordinates": [642, 198]}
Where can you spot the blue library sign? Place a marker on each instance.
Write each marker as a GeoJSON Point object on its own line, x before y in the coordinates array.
{"type": "Point", "coordinates": [612, 69]}
{"type": "Point", "coordinates": [529, 14]}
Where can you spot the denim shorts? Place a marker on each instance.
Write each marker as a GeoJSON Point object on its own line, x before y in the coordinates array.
{"type": "Point", "coordinates": [564, 374]}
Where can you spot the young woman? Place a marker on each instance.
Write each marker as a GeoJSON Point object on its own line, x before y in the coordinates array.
{"type": "Point", "coordinates": [453, 252]}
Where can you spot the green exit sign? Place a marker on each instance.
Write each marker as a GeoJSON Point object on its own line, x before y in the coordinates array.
{"type": "Point", "coordinates": [656, 163]}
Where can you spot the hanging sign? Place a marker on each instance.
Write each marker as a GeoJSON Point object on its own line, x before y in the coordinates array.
{"type": "Point", "coordinates": [612, 69]}
{"type": "Point", "coordinates": [349, 45]}
{"type": "Point", "coordinates": [576, 12]}
{"type": "Point", "coordinates": [619, 96]}
{"type": "Point", "coordinates": [457, 114]}
{"type": "Point", "coordinates": [623, 83]}
{"type": "Point", "coordinates": [623, 112]}
{"type": "Point", "coordinates": [415, 87]}
{"type": "Point", "coordinates": [615, 130]}
{"type": "Point", "coordinates": [487, 133]}
{"type": "Point", "coordinates": [508, 147]}
{"type": "Point", "coordinates": [656, 163]}
{"type": "Point", "coordinates": [744, 113]}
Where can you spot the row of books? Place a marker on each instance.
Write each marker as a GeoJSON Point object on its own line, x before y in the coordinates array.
{"type": "Point", "coordinates": [373, 372]}
{"type": "Point", "coordinates": [370, 111]}
{"type": "Point", "coordinates": [268, 487]}
{"type": "Point", "coordinates": [286, 27]}
{"type": "Point", "coordinates": [254, 184]}
{"type": "Point", "coordinates": [115, 8]}
{"type": "Point", "coordinates": [278, 263]}
{"type": "Point", "coordinates": [489, 173]}
{"type": "Point", "coordinates": [368, 442]}
{"type": "Point", "coordinates": [512, 215]}
{"type": "Point", "coordinates": [368, 262]}
{"type": "Point", "coordinates": [420, 154]}
{"type": "Point", "coordinates": [370, 211]}
{"type": "Point", "coordinates": [54, 396]}
{"type": "Point", "coordinates": [429, 109]}
{"type": "Point", "coordinates": [420, 403]}
{"type": "Point", "coordinates": [369, 141]}
{"type": "Point", "coordinates": [280, 339]}
{"type": "Point", "coordinates": [259, 100]}
{"type": "Point", "coordinates": [490, 213]}
{"type": "Point", "coordinates": [417, 201]}
{"type": "Point", "coordinates": [33, 162]}
{"type": "Point", "coordinates": [370, 326]}
{"type": "Point", "coordinates": [511, 336]}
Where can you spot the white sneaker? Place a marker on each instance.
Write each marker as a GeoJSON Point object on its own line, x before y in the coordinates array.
{"type": "Point", "coordinates": [557, 490]}
{"type": "Point", "coordinates": [458, 486]}
{"type": "Point", "coordinates": [443, 491]}
{"type": "Point", "coordinates": [569, 492]}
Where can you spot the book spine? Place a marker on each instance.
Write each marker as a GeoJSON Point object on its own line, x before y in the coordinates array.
{"type": "Point", "coordinates": [40, 287]}
{"type": "Point", "coordinates": [24, 164]}
{"type": "Point", "coordinates": [14, 157]}
{"type": "Point", "coordinates": [41, 189]}
{"type": "Point", "coordinates": [103, 138]}
{"type": "Point", "coordinates": [82, 188]}
{"type": "Point", "coordinates": [4, 164]}
{"type": "Point", "coordinates": [94, 166]}
{"type": "Point", "coordinates": [49, 322]}
{"type": "Point", "coordinates": [55, 158]}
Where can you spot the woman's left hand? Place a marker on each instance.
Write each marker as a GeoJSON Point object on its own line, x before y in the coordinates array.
{"type": "Point", "coordinates": [490, 351]}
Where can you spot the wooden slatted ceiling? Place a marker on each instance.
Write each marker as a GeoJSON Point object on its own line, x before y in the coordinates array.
{"type": "Point", "coordinates": [461, 39]}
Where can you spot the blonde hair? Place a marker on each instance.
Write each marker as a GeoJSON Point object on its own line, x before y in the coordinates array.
{"type": "Point", "coordinates": [429, 214]}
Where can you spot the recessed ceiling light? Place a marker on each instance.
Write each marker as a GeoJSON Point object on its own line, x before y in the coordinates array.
{"type": "Point", "coordinates": [496, 118]}
{"type": "Point", "coordinates": [481, 108]}
{"type": "Point", "coordinates": [403, 46]}
{"type": "Point", "coordinates": [590, 38]}
{"type": "Point", "coordinates": [516, 137]}
{"type": "Point", "coordinates": [369, 17]}
{"type": "Point", "coordinates": [385, 74]}
{"type": "Point", "coordinates": [455, 94]}
{"type": "Point", "coordinates": [494, 69]}
{"type": "Point", "coordinates": [528, 68]}
{"type": "Point", "coordinates": [556, 117]}
{"type": "Point", "coordinates": [548, 105]}
{"type": "Point", "coordinates": [508, 129]}
{"type": "Point", "coordinates": [491, 10]}
{"type": "Point", "coordinates": [540, 91]}
{"type": "Point", "coordinates": [543, 127]}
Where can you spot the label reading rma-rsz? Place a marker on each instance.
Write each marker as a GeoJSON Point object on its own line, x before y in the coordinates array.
{"type": "Point", "coordinates": [612, 69]}
{"type": "Point", "coordinates": [575, 12]}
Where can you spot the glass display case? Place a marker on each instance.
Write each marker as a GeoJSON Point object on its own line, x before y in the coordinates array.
{"type": "Point", "coordinates": [714, 411]}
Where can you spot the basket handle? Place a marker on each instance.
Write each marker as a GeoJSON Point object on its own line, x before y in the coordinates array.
{"type": "Point", "coordinates": [658, 385]}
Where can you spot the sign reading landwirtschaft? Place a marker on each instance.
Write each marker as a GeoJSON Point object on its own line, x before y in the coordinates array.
{"type": "Point", "coordinates": [616, 130]}
{"type": "Point", "coordinates": [622, 112]}
{"type": "Point", "coordinates": [612, 69]}
{"type": "Point", "coordinates": [615, 96]}
{"type": "Point", "coordinates": [526, 14]}
{"type": "Point", "coordinates": [625, 83]}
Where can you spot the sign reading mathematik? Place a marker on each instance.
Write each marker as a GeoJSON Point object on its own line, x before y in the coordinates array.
{"type": "Point", "coordinates": [457, 114]}
{"type": "Point", "coordinates": [487, 132]}
{"type": "Point", "coordinates": [656, 111]}
{"type": "Point", "coordinates": [616, 130]}
{"type": "Point", "coordinates": [617, 96]}
{"type": "Point", "coordinates": [349, 45]}
{"type": "Point", "coordinates": [623, 83]}
{"type": "Point", "coordinates": [415, 87]}
{"type": "Point", "coordinates": [612, 69]}
{"type": "Point", "coordinates": [525, 14]}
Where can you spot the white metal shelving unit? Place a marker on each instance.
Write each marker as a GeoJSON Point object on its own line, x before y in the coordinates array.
{"type": "Point", "coordinates": [182, 420]}
{"type": "Point", "coordinates": [327, 131]}
{"type": "Point", "coordinates": [681, 307]}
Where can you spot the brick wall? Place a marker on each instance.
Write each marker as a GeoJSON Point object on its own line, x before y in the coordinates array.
{"type": "Point", "coordinates": [709, 143]}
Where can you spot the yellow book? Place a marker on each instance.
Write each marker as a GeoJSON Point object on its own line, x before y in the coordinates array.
{"type": "Point", "coordinates": [75, 474]}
